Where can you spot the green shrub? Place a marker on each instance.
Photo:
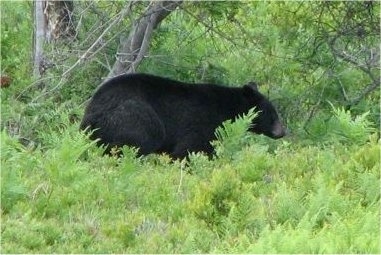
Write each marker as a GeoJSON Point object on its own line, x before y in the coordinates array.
{"type": "Point", "coordinates": [231, 135]}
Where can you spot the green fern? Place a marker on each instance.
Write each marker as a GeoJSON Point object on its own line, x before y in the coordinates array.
{"type": "Point", "coordinates": [12, 157]}
{"type": "Point", "coordinates": [346, 129]}
{"type": "Point", "coordinates": [231, 135]}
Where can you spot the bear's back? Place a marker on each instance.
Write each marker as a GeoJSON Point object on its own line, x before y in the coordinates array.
{"type": "Point", "coordinates": [152, 88]}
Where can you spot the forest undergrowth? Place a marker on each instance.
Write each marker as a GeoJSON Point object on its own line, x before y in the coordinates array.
{"type": "Point", "coordinates": [255, 196]}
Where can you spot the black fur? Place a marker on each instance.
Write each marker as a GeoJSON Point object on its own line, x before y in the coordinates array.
{"type": "Point", "coordinates": [158, 115]}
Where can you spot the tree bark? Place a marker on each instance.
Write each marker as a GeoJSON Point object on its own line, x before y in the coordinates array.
{"type": "Point", "coordinates": [59, 18]}
{"type": "Point", "coordinates": [132, 51]}
{"type": "Point", "coordinates": [39, 38]}
{"type": "Point", "coordinates": [53, 21]}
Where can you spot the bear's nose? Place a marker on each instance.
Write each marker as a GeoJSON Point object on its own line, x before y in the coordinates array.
{"type": "Point", "coordinates": [278, 130]}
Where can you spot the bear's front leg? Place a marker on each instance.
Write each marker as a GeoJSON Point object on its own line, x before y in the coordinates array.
{"type": "Point", "coordinates": [191, 144]}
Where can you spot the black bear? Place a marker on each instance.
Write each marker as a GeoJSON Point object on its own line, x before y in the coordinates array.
{"type": "Point", "coordinates": [160, 115]}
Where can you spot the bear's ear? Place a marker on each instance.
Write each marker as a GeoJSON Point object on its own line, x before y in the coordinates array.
{"type": "Point", "coordinates": [251, 90]}
{"type": "Point", "coordinates": [253, 85]}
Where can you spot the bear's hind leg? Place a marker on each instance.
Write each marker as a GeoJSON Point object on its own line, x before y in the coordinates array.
{"type": "Point", "coordinates": [135, 124]}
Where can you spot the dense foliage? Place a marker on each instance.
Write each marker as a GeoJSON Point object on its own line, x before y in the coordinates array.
{"type": "Point", "coordinates": [315, 191]}
{"type": "Point", "coordinates": [256, 197]}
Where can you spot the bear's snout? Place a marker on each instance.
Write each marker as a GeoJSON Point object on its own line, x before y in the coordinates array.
{"type": "Point", "coordinates": [278, 131]}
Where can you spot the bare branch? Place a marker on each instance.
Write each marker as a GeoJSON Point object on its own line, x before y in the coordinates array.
{"type": "Point", "coordinates": [143, 48]}
{"type": "Point", "coordinates": [121, 15]}
{"type": "Point", "coordinates": [132, 51]}
{"type": "Point", "coordinates": [370, 88]}
{"type": "Point", "coordinates": [85, 55]}
{"type": "Point", "coordinates": [366, 67]}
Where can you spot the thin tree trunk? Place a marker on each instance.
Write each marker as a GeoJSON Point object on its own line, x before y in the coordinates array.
{"type": "Point", "coordinates": [132, 51]}
{"type": "Point", "coordinates": [39, 38]}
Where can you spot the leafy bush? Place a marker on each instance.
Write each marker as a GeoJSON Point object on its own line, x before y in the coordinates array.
{"type": "Point", "coordinates": [342, 127]}
{"type": "Point", "coordinates": [350, 130]}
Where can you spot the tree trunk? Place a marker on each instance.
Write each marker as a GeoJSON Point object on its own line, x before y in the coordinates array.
{"type": "Point", "coordinates": [53, 21]}
{"type": "Point", "coordinates": [133, 49]}
{"type": "Point", "coordinates": [59, 18]}
{"type": "Point", "coordinates": [39, 38]}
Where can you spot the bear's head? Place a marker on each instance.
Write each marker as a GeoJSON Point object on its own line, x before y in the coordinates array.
{"type": "Point", "coordinates": [267, 122]}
